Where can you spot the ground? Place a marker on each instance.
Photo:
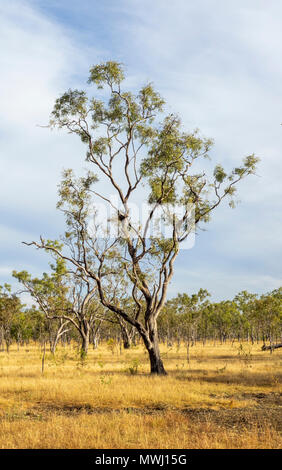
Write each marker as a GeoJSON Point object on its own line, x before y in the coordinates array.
{"type": "Point", "coordinates": [227, 396]}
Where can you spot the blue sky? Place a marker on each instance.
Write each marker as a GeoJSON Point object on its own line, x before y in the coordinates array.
{"type": "Point", "coordinates": [217, 63]}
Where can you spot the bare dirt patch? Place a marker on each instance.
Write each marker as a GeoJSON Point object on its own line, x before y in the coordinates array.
{"type": "Point", "coordinates": [267, 413]}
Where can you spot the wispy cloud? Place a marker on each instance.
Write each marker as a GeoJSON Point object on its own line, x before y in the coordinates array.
{"type": "Point", "coordinates": [39, 60]}
{"type": "Point", "coordinates": [217, 63]}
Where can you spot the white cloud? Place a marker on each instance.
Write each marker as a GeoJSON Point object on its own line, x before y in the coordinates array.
{"type": "Point", "coordinates": [39, 61]}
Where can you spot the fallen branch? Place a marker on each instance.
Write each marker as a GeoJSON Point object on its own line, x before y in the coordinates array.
{"type": "Point", "coordinates": [274, 346]}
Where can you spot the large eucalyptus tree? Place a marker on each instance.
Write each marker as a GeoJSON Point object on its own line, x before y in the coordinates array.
{"type": "Point", "coordinates": [131, 146]}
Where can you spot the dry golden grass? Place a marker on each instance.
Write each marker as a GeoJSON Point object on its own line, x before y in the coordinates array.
{"type": "Point", "coordinates": [226, 397]}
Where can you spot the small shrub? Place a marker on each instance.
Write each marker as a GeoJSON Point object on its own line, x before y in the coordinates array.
{"type": "Point", "coordinates": [133, 368]}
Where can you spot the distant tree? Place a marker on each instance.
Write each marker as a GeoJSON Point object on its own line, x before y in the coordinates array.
{"type": "Point", "coordinates": [65, 299]}
{"type": "Point", "coordinates": [246, 305]}
{"type": "Point", "coordinates": [269, 313]}
{"type": "Point", "coordinates": [222, 318]}
{"type": "Point", "coordinates": [188, 310]}
{"type": "Point", "coordinates": [169, 325]}
{"type": "Point", "coordinates": [21, 327]}
{"type": "Point", "coordinates": [10, 307]}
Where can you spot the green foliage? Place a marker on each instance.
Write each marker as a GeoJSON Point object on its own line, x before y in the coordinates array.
{"type": "Point", "coordinates": [110, 73]}
{"type": "Point", "coordinates": [82, 358]}
{"type": "Point", "coordinates": [134, 366]}
{"type": "Point", "coordinates": [72, 103]}
{"type": "Point", "coordinates": [247, 316]}
{"type": "Point", "coordinates": [105, 379]}
{"type": "Point", "coordinates": [170, 152]}
{"type": "Point", "coordinates": [219, 174]}
{"type": "Point", "coordinates": [50, 292]}
{"type": "Point", "coordinates": [10, 313]}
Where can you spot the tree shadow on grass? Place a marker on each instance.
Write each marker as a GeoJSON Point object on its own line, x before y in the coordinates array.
{"type": "Point", "coordinates": [244, 377]}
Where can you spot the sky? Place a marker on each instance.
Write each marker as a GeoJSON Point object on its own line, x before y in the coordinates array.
{"type": "Point", "coordinates": [216, 63]}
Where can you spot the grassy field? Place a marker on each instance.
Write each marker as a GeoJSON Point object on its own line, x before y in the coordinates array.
{"type": "Point", "coordinates": [228, 396]}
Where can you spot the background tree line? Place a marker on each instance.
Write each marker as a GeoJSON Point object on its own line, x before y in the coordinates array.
{"type": "Point", "coordinates": [187, 319]}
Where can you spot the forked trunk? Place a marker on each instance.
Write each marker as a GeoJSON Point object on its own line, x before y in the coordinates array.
{"type": "Point", "coordinates": [58, 334]}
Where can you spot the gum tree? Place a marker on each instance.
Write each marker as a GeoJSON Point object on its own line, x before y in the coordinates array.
{"type": "Point", "coordinates": [189, 308]}
{"type": "Point", "coordinates": [66, 299]}
{"type": "Point", "coordinates": [269, 314]}
{"type": "Point", "coordinates": [140, 153]}
{"type": "Point", "coordinates": [246, 305]}
{"type": "Point", "coordinates": [10, 307]}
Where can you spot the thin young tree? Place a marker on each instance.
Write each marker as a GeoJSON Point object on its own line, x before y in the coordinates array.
{"type": "Point", "coordinates": [65, 298]}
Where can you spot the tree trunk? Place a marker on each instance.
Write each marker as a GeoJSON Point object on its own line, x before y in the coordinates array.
{"type": "Point", "coordinates": [2, 339]}
{"type": "Point", "coordinates": [151, 342]}
{"type": "Point", "coordinates": [125, 337]}
{"type": "Point", "coordinates": [188, 350]}
{"type": "Point", "coordinates": [95, 341]}
{"type": "Point", "coordinates": [84, 330]}
{"type": "Point", "coordinates": [43, 358]}
{"type": "Point", "coordinates": [156, 363]}
{"type": "Point", "coordinates": [85, 344]}
{"type": "Point", "coordinates": [125, 334]}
